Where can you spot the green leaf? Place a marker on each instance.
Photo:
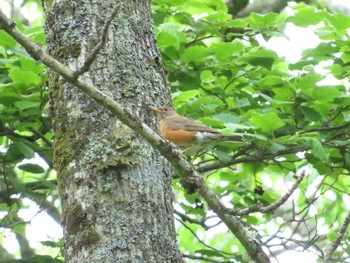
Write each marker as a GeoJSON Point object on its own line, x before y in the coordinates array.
{"type": "Point", "coordinates": [317, 149]}
{"type": "Point", "coordinates": [31, 65]}
{"type": "Point", "coordinates": [25, 149]}
{"type": "Point", "coordinates": [321, 167]}
{"type": "Point", "coordinates": [337, 70]}
{"type": "Point", "coordinates": [347, 159]}
{"type": "Point", "coordinates": [275, 147]}
{"type": "Point", "coordinates": [305, 16]}
{"type": "Point", "coordinates": [326, 93]}
{"type": "Point", "coordinates": [20, 229]}
{"type": "Point", "coordinates": [223, 156]}
{"type": "Point", "coordinates": [259, 21]}
{"type": "Point", "coordinates": [4, 207]}
{"type": "Point", "coordinates": [332, 237]}
{"type": "Point", "coordinates": [23, 76]}
{"type": "Point", "coordinates": [301, 64]}
{"type": "Point", "coordinates": [22, 105]}
{"type": "Point", "coordinates": [345, 57]}
{"type": "Point", "coordinates": [217, 17]}
{"type": "Point", "coordinates": [339, 21]}
{"type": "Point", "coordinates": [212, 122]}
{"type": "Point", "coordinates": [240, 23]}
{"type": "Point", "coordinates": [266, 122]}
{"type": "Point", "coordinates": [308, 82]}
{"type": "Point", "coordinates": [323, 51]}
{"type": "Point", "coordinates": [170, 36]}
{"type": "Point", "coordinates": [31, 168]}
{"type": "Point", "coordinates": [196, 54]}
{"type": "Point", "coordinates": [6, 40]}
{"type": "Point", "coordinates": [261, 57]}
{"type": "Point", "coordinates": [251, 220]}
{"type": "Point", "coordinates": [261, 61]}
{"type": "Point", "coordinates": [207, 76]}
{"type": "Point", "coordinates": [225, 52]}
{"type": "Point", "coordinates": [310, 113]}
{"type": "Point", "coordinates": [185, 96]}
{"type": "Point", "coordinates": [271, 80]}
{"type": "Point", "coordinates": [226, 117]}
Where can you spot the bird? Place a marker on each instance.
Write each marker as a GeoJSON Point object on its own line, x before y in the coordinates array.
{"type": "Point", "coordinates": [189, 135]}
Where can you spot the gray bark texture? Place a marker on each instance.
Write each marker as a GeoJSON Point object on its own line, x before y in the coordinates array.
{"type": "Point", "coordinates": [116, 191]}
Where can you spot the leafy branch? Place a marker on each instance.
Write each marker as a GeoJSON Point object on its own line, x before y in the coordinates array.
{"type": "Point", "coordinates": [191, 179]}
{"type": "Point", "coordinates": [258, 157]}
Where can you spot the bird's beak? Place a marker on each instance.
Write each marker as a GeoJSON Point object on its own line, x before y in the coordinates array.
{"type": "Point", "coordinates": [155, 109]}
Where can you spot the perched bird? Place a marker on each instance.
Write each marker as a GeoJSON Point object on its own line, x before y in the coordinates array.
{"type": "Point", "coordinates": [190, 135]}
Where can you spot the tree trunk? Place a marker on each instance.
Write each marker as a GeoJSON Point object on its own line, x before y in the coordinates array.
{"type": "Point", "coordinates": [116, 191]}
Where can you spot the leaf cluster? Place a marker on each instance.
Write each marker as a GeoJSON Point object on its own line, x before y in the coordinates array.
{"type": "Point", "coordinates": [295, 116]}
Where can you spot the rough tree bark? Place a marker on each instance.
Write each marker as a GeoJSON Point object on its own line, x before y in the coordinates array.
{"type": "Point", "coordinates": [116, 191]}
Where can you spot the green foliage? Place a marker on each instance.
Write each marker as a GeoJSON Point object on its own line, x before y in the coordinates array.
{"type": "Point", "coordinates": [220, 74]}
{"type": "Point", "coordinates": [25, 136]}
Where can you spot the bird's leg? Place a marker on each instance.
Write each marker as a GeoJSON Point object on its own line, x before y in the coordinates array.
{"type": "Point", "coordinates": [195, 156]}
{"type": "Point", "coordinates": [187, 150]}
{"type": "Point", "coordinates": [193, 151]}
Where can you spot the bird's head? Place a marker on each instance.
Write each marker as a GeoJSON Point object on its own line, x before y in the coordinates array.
{"type": "Point", "coordinates": [164, 111]}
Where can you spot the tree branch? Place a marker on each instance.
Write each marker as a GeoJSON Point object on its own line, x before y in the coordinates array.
{"type": "Point", "coordinates": [258, 157]}
{"type": "Point", "coordinates": [91, 58]}
{"type": "Point", "coordinates": [185, 218]}
{"type": "Point", "coordinates": [338, 240]}
{"type": "Point", "coordinates": [203, 243]}
{"type": "Point", "coordinates": [191, 180]}
{"type": "Point", "coordinates": [258, 207]}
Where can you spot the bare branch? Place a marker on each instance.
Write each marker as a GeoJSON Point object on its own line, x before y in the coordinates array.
{"type": "Point", "coordinates": [185, 218]}
{"type": "Point", "coordinates": [258, 157]}
{"type": "Point", "coordinates": [91, 58]}
{"type": "Point", "coordinates": [329, 128]}
{"type": "Point", "coordinates": [258, 207]}
{"type": "Point", "coordinates": [338, 240]}
{"type": "Point", "coordinates": [203, 243]}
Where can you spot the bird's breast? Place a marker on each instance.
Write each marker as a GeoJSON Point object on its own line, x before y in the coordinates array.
{"type": "Point", "coordinates": [177, 136]}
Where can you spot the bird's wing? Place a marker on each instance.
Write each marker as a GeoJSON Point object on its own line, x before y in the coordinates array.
{"type": "Point", "coordinates": [184, 123]}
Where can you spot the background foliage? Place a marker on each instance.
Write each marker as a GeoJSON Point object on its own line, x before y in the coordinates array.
{"type": "Point", "coordinates": [295, 117]}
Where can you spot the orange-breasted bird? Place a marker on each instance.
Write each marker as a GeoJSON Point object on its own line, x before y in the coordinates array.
{"type": "Point", "coordinates": [190, 135]}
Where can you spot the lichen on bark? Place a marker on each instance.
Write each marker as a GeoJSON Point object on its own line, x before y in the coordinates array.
{"type": "Point", "coordinates": [116, 190]}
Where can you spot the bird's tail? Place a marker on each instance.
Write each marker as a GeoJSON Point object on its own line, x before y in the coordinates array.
{"type": "Point", "coordinates": [217, 137]}
{"type": "Point", "coordinates": [231, 137]}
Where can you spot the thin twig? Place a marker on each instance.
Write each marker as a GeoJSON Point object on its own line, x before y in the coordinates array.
{"type": "Point", "coordinates": [331, 128]}
{"type": "Point", "coordinates": [203, 243]}
{"type": "Point", "coordinates": [258, 157]}
{"type": "Point", "coordinates": [338, 239]}
{"type": "Point", "coordinates": [185, 218]}
{"type": "Point", "coordinates": [40, 135]}
{"type": "Point", "coordinates": [91, 58]}
{"type": "Point", "coordinates": [258, 207]}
